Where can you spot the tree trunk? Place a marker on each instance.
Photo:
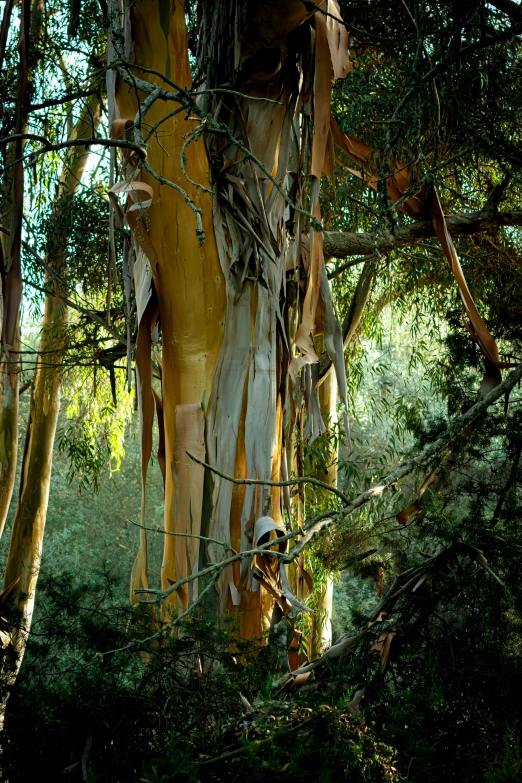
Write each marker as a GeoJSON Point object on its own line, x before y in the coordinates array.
{"type": "Point", "coordinates": [321, 631]}
{"type": "Point", "coordinates": [187, 278]}
{"type": "Point", "coordinates": [223, 307]}
{"type": "Point", "coordinates": [9, 376]}
{"type": "Point", "coordinates": [25, 549]}
{"type": "Point", "coordinates": [11, 205]}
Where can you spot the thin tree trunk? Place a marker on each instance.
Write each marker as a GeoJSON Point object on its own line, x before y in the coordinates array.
{"type": "Point", "coordinates": [321, 631]}
{"type": "Point", "coordinates": [25, 549]}
{"type": "Point", "coordinates": [9, 377]}
{"type": "Point", "coordinates": [11, 204]}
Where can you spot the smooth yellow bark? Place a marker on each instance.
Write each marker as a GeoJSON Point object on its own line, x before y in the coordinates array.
{"type": "Point", "coordinates": [188, 278]}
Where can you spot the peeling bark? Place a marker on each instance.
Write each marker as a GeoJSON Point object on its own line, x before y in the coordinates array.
{"type": "Point", "coordinates": [223, 307]}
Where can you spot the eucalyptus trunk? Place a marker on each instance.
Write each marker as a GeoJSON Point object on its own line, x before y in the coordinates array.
{"type": "Point", "coordinates": [9, 394]}
{"type": "Point", "coordinates": [231, 364]}
{"type": "Point", "coordinates": [321, 630]}
{"type": "Point", "coordinates": [25, 549]}
{"type": "Point", "coordinates": [11, 207]}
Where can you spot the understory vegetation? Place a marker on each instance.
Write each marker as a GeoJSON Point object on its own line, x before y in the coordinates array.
{"type": "Point", "coordinates": [93, 699]}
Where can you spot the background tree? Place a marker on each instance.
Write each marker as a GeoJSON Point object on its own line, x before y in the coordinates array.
{"type": "Point", "coordinates": [25, 551]}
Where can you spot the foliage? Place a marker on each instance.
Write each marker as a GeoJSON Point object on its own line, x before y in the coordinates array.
{"type": "Point", "coordinates": [93, 437]}
{"type": "Point", "coordinates": [153, 712]}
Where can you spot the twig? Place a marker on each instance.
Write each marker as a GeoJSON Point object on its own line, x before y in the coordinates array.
{"type": "Point", "coordinates": [184, 535]}
{"type": "Point", "coordinates": [427, 454]}
{"type": "Point", "coordinates": [340, 269]}
{"type": "Point", "coordinates": [263, 483]}
{"type": "Point", "coordinates": [166, 628]}
{"type": "Point", "coordinates": [262, 550]}
{"type": "Point", "coordinates": [239, 94]}
{"type": "Point", "coordinates": [200, 233]}
{"type": "Point", "coordinates": [240, 751]}
{"type": "Point", "coordinates": [47, 146]}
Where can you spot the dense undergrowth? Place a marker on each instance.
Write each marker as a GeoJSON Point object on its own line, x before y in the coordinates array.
{"type": "Point", "coordinates": [442, 704]}
{"type": "Point", "coordinates": [444, 707]}
{"type": "Point", "coordinates": [155, 712]}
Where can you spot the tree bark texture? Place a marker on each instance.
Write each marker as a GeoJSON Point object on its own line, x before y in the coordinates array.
{"type": "Point", "coordinates": [223, 307]}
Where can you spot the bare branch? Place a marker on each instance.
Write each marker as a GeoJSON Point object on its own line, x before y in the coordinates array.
{"type": "Point", "coordinates": [48, 147]}
{"type": "Point", "coordinates": [184, 535]}
{"type": "Point", "coordinates": [67, 98]}
{"type": "Point", "coordinates": [341, 244]}
{"type": "Point", "coordinates": [166, 628]}
{"type": "Point", "coordinates": [262, 483]}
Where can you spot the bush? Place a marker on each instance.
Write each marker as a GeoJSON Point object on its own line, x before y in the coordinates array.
{"type": "Point", "coordinates": [151, 711]}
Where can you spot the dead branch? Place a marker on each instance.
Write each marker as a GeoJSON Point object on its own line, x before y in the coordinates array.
{"type": "Point", "coordinates": [427, 455]}
{"type": "Point", "coordinates": [262, 483]}
{"type": "Point", "coordinates": [342, 244]}
{"type": "Point", "coordinates": [184, 535]}
{"type": "Point", "coordinates": [240, 751]}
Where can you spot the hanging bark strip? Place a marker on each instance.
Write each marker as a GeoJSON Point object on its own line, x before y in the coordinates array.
{"type": "Point", "coordinates": [477, 328]}
{"type": "Point", "coordinates": [147, 311]}
{"type": "Point", "coordinates": [423, 202]}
